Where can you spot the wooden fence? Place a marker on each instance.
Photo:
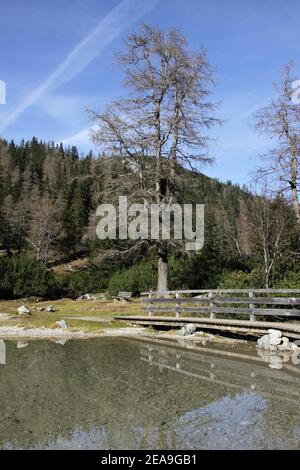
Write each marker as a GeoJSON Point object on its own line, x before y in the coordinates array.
{"type": "Point", "coordinates": [252, 303]}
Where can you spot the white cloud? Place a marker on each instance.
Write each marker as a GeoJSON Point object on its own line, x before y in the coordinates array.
{"type": "Point", "coordinates": [109, 28]}
{"type": "Point", "coordinates": [81, 139]}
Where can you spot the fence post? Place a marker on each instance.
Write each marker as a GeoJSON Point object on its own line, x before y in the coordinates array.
{"type": "Point", "coordinates": [211, 304]}
{"type": "Point", "coordinates": [150, 305]}
{"type": "Point", "coordinates": [177, 308]}
{"type": "Point", "coordinates": [252, 316]}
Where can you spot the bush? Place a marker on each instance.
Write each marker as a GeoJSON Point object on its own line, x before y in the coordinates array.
{"type": "Point", "coordinates": [21, 276]}
{"type": "Point", "coordinates": [241, 280]}
{"type": "Point", "coordinates": [290, 281]}
{"type": "Point", "coordinates": [82, 282]}
{"type": "Point", "coordinates": [136, 279]}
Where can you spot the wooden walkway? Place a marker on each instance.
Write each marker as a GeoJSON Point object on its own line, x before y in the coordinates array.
{"type": "Point", "coordinates": [174, 309]}
{"type": "Point", "coordinates": [245, 327]}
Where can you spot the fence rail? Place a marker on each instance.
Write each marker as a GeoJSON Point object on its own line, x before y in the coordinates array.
{"type": "Point", "coordinates": [254, 302]}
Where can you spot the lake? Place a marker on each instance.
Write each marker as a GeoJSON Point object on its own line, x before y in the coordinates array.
{"type": "Point", "coordinates": [110, 393]}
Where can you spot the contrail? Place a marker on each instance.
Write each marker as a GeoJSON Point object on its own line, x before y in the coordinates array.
{"type": "Point", "coordinates": [109, 28]}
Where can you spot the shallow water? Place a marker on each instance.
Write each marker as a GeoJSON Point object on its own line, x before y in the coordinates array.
{"type": "Point", "coordinates": [112, 393]}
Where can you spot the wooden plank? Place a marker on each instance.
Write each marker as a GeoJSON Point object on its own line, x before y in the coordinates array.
{"type": "Point", "coordinates": [231, 321]}
{"type": "Point", "coordinates": [246, 326]}
{"type": "Point", "coordinates": [259, 300]}
{"type": "Point", "coordinates": [234, 310]}
{"type": "Point", "coordinates": [259, 311]}
{"type": "Point", "coordinates": [226, 291]}
{"type": "Point", "coordinates": [229, 300]}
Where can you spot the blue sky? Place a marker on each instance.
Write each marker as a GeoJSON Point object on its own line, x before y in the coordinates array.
{"type": "Point", "coordinates": [57, 59]}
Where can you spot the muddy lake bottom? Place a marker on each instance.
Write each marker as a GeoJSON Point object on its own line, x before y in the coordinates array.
{"type": "Point", "coordinates": [118, 393]}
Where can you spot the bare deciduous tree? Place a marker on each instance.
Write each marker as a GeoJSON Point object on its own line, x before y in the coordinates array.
{"type": "Point", "coordinates": [270, 225]}
{"type": "Point", "coordinates": [45, 226]}
{"type": "Point", "coordinates": [280, 119]}
{"type": "Point", "coordinates": [162, 119]}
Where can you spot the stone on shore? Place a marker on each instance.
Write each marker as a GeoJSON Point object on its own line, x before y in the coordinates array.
{"type": "Point", "coordinates": [187, 330]}
{"type": "Point", "coordinates": [23, 310]}
{"type": "Point", "coordinates": [264, 342]}
{"type": "Point", "coordinates": [274, 341]}
{"type": "Point", "coordinates": [84, 297]}
{"type": "Point", "coordinates": [62, 324]}
{"type": "Point", "coordinates": [275, 333]}
{"type": "Point", "coordinates": [50, 308]}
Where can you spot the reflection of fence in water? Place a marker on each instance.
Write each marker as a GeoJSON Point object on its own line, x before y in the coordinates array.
{"type": "Point", "coordinates": [237, 371]}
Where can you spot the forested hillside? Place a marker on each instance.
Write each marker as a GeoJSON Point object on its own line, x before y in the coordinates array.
{"type": "Point", "coordinates": [48, 199]}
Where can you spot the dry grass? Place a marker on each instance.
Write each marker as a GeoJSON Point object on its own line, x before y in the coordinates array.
{"type": "Point", "coordinates": [71, 266]}
{"type": "Point", "coordinates": [74, 312]}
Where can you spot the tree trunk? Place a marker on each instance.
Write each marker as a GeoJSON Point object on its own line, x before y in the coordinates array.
{"type": "Point", "coordinates": [162, 270]}
{"type": "Point", "coordinates": [268, 278]}
{"type": "Point", "coordinates": [294, 185]}
{"type": "Point", "coordinates": [162, 275]}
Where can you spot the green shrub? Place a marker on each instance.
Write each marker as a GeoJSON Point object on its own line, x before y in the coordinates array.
{"type": "Point", "coordinates": [290, 281]}
{"type": "Point", "coordinates": [21, 276]}
{"type": "Point", "coordinates": [241, 280]}
{"type": "Point", "coordinates": [136, 279]}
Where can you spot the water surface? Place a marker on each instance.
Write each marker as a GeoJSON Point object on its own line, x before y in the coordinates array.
{"type": "Point", "coordinates": [112, 393]}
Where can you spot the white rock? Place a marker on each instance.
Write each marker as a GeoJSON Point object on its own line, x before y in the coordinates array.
{"type": "Point", "coordinates": [187, 330]}
{"type": "Point", "coordinates": [274, 341]}
{"type": "Point", "coordinates": [62, 324]}
{"type": "Point", "coordinates": [275, 333]}
{"type": "Point", "coordinates": [50, 308]}
{"type": "Point", "coordinates": [84, 297]}
{"type": "Point", "coordinates": [285, 347]}
{"type": "Point", "coordinates": [23, 310]}
{"type": "Point", "coordinates": [264, 342]}
{"type": "Point", "coordinates": [21, 344]}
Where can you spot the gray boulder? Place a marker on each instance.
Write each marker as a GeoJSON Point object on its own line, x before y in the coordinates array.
{"type": "Point", "coordinates": [50, 308]}
{"type": "Point", "coordinates": [84, 297]}
{"type": "Point", "coordinates": [62, 324]}
{"type": "Point", "coordinates": [187, 330]}
{"type": "Point", "coordinates": [274, 341]}
{"type": "Point", "coordinates": [23, 310]}
{"type": "Point", "coordinates": [275, 333]}
{"type": "Point", "coordinates": [264, 342]}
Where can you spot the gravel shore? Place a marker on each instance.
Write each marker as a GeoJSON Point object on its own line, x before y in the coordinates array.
{"type": "Point", "coordinates": [17, 332]}
{"type": "Point", "coordinates": [126, 332]}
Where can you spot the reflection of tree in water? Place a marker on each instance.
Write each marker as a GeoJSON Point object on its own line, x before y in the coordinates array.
{"type": "Point", "coordinates": [2, 352]}
{"type": "Point", "coordinates": [106, 393]}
